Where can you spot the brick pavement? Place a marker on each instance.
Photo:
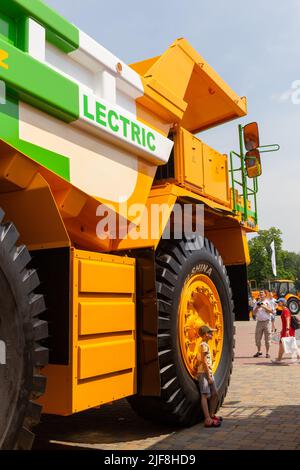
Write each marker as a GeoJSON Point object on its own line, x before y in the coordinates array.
{"type": "Point", "coordinates": [261, 411]}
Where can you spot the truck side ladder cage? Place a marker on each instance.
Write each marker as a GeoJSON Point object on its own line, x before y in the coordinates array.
{"type": "Point", "coordinates": [247, 191]}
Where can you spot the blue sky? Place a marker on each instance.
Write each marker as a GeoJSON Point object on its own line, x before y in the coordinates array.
{"type": "Point", "coordinates": [255, 47]}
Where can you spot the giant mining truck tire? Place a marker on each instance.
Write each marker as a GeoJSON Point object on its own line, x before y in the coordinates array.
{"type": "Point", "coordinates": [21, 353]}
{"type": "Point", "coordinates": [192, 289]}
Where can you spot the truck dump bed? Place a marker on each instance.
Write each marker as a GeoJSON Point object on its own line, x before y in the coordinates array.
{"type": "Point", "coordinates": [185, 84]}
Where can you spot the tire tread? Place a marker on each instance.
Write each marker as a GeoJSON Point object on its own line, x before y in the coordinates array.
{"type": "Point", "coordinates": [171, 406]}
{"type": "Point", "coordinates": [35, 331]}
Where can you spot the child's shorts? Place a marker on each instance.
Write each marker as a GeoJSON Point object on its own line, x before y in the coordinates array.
{"type": "Point", "coordinates": [205, 387]}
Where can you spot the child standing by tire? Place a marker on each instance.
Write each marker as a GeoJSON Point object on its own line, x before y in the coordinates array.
{"type": "Point", "coordinates": [209, 395]}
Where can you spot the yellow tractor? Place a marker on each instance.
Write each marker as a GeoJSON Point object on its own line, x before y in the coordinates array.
{"type": "Point", "coordinates": [120, 232]}
{"type": "Point", "coordinates": [280, 288]}
{"type": "Point", "coordinates": [285, 288]}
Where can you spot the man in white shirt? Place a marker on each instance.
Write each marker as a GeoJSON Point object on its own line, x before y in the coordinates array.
{"type": "Point", "coordinates": [263, 311]}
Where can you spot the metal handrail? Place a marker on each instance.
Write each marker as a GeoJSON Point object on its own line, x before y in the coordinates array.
{"type": "Point", "coordinates": [277, 147]}
{"type": "Point", "coordinates": [247, 190]}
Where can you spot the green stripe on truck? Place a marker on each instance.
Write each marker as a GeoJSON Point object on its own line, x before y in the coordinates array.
{"type": "Point", "coordinates": [39, 85]}
{"type": "Point", "coordinates": [7, 28]}
{"type": "Point", "coordinates": [9, 126]}
{"type": "Point", "coordinates": [59, 31]}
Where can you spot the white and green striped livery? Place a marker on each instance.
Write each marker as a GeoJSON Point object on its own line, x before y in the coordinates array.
{"type": "Point", "coordinates": [71, 104]}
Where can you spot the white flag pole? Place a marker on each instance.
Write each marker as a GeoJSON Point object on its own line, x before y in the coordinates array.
{"type": "Point", "coordinates": [273, 258]}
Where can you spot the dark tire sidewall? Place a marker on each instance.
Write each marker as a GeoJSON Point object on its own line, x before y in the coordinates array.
{"type": "Point", "coordinates": [203, 262]}
{"type": "Point", "coordinates": [19, 349]}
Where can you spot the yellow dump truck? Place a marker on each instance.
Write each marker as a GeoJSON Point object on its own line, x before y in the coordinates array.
{"type": "Point", "coordinates": [101, 296]}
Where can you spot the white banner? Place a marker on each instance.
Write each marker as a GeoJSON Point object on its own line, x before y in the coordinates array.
{"type": "Point", "coordinates": [273, 258]}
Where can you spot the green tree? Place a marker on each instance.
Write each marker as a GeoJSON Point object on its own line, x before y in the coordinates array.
{"type": "Point", "coordinates": [291, 263]}
{"type": "Point", "coordinates": [260, 269]}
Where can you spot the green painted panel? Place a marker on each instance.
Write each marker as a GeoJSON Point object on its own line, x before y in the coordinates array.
{"type": "Point", "coordinates": [22, 39]}
{"type": "Point", "coordinates": [7, 28]}
{"type": "Point", "coordinates": [39, 85]}
{"type": "Point", "coordinates": [9, 132]}
{"type": "Point", "coordinates": [58, 42]}
{"type": "Point", "coordinates": [242, 210]}
{"type": "Point", "coordinates": [59, 164]}
{"type": "Point", "coordinates": [66, 33]}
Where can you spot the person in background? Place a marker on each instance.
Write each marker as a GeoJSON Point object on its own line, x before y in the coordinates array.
{"type": "Point", "coordinates": [273, 305]}
{"type": "Point", "coordinates": [263, 311]}
{"type": "Point", "coordinates": [274, 293]}
{"type": "Point", "coordinates": [287, 329]}
{"type": "Point", "coordinates": [251, 303]}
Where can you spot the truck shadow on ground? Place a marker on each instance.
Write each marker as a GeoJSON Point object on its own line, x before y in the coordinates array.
{"type": "Point", "coordinates": [244, 427]}
{"type": "Point", "coordinates": [108, 424]}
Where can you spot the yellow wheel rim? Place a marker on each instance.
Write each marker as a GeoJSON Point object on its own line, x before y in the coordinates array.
{"type": "Point", "coordinates": [199, 305]}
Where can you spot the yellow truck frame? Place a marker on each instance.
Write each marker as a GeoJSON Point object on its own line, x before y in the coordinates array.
{"type": "Point", "coordinates": [85, 141]}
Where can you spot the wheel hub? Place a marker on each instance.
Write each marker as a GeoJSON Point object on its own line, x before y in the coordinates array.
{"type": "Point", "coordinates": [293, 306]}
{"type": "Point", "coordinates": [200, 305]}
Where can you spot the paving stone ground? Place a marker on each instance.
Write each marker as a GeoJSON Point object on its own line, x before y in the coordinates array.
{"type": "Point", "coordinates": [261, 411]}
